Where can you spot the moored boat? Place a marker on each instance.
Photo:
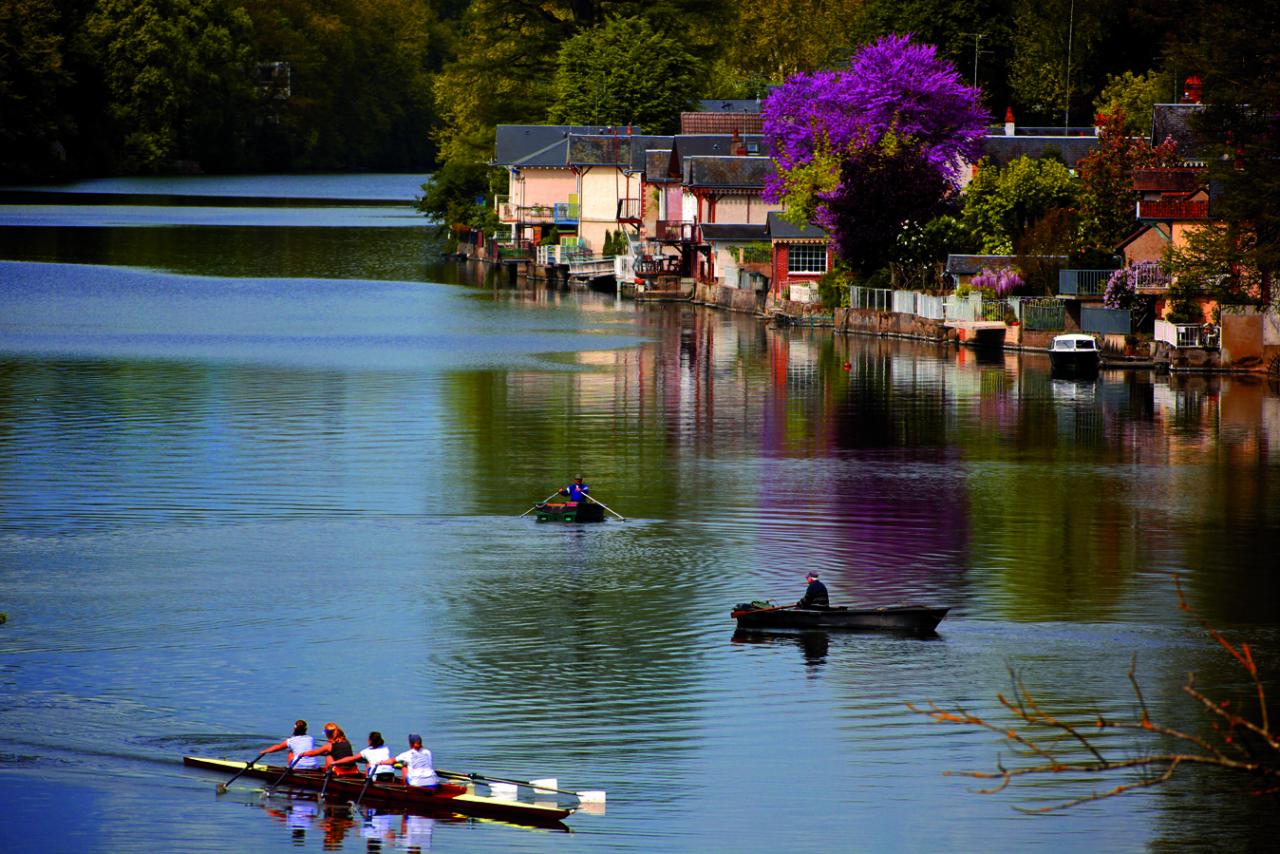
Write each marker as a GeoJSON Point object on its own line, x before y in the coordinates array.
{"type": "Point", "coordinates": [918, 619]}
{"type": "Point", "coordinates": [569, 511]}
{"type": "Point", "coordinates": [448, 797]}
{"type": "Point", "coordinates": [1074, 355]}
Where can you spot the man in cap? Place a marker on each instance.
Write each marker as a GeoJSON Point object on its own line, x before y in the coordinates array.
{"type": "Point", "coordinates": [577, 491]}
{"type": "Point", "coordinates": [417, 764]}
{"type": "Point", "coordinates": [815, 595]}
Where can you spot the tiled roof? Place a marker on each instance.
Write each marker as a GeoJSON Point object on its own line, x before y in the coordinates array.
{"type": "Point", "coordinates": [735, 231]}
{"type": "Point", "coordinates": [727, 171]}
{"type": "Point", "coordinates": [657, 165]}
{"type": "Point", "coordinates": [1175, 120]}
{"type": "Point", "coordinates": [613, 149]}
{"type": "Point", "coordinates": [687, 145]}
{"type": "Point", "coordinates": [729, 105]}
{"type": "Point", "coordinates": [535, 145]}
{"type": "Point", "coordinates": [752, 123]}
{"type": "Point", "coordinates": [781, 229]}
{"type": "Point", "coordinates": [1004, 149]}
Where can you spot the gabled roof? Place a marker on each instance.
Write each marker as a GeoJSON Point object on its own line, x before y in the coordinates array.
{"type": "Point", "coordinates": [781, 229]}
{"type": "Point", "coordinates": [729, 105]}
{"type": "Point", "coordinates": [1175, 120]}
{"type": "Point", "coordinates": [692, 145]}
{"type": "Point", "coordinates": [1005, 149]}
{"type": "Point", "coordinates": [657, 166]}
{"type": "Point", "coordinates": [535, 145]}
{"type": "Point", "coordinates": [726, 172]}
{"type": "Point", "coordinates": [729, 231]}
{"type": "Point", "coordinates": [613, 149]}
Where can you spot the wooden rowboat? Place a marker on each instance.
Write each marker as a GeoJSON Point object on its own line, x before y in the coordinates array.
{"type": "Point", "coordinates": [917, 619]}
{"type": "Point", "coordinates": [570, 511]}
{"type": "Point", "coordinates": [448, 797]}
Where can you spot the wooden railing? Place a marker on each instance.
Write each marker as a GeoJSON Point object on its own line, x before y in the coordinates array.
{"type": "Point", "coordinates": [1166, 209]}
{"type": "Point", "coordinates": [673, 230]}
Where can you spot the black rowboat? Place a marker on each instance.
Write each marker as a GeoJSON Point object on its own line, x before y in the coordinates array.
{"type": "Point", "coordinates": [570, 511]}
{"type": "Point", "coordinates": [448, 797]}
{"type": "Point", "coordinates": [917, 619]}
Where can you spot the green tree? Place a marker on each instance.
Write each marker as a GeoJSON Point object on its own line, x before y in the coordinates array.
{"type": "Point", "coordinates": [1001, 205]}
{"type": "Point", "coordinates": [624, 72]}
{"type": "Point", "coordinates": [1134, 95]}
{"type": "Point", "coordinates": [32, 76]}
{"type": "Point", "coordinates": [1107, 197]}
{"type": "Point", "coordinates": [177, 73]}
{"type": "Point", "coordinates": [1056, 54]}
{"type": "Point", "coordinates": [774, 39]}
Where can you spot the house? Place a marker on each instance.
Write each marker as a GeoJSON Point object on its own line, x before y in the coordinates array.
{"type": "Point", "coordinates": [542, 189]}
{"type": "Point", "coordinates": [802, 254]}
{"type": "Point", "coordinates": [609, 170]}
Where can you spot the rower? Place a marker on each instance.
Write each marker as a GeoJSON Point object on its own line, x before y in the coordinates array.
{"type": "Point", "coordinates": [337, 748]}
{"type": "Point", "coordinates": [375, 754]}
{"type": "Point", "coordinates": [815, 595]}
{"type": "Point", "coordinates": [577, 491]}
{"type": "Point", "coordinates": [419, 769]}
{"type": "Point", "coordinates": [299, 744]}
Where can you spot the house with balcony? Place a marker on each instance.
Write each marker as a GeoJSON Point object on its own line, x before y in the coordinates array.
{"type": "Point", "coordinates": [542, 189]}
{"type": "Point", "coordinates": [609, 172]}
{"type": "Point", "coordinates": [726, 190]}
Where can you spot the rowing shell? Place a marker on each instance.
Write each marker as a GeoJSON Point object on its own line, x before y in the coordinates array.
{"type": "Point", "coordinates": [447, 797]}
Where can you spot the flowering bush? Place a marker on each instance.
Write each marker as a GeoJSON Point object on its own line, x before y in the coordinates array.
{"type": "Point", "coordinates": [1122, 287]}
{"type": "Point", "coordinates": [1002, 280]}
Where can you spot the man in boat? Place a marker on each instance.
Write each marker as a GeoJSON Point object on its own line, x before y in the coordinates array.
{"type": "Point", "coordinates": [375, 754]}
{"type": "Point", "coordinates": [815, 595]}
{"type": "Point", "coordinates": [577, 491]}
{"type": "Point", "coordinates": [419, 770]}
{"type": "Point", "coordinates": [299, 744]}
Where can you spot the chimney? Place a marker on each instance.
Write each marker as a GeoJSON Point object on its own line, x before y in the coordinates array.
{"type": "Point", "coordinates": [1191, 90]}
{"type": "Point", "coordinates": [1008, 121]}
{"type": "Point", "coordinates": [736, 148]}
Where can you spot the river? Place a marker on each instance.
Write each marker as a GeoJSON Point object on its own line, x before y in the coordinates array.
{"type": "Point", "coordinates": [263, 455]}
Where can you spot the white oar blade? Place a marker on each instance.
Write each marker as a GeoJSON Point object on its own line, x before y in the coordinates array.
{"type": "Point", "coordinates": [591, 797]}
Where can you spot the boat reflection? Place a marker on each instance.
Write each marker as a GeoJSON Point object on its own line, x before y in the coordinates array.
{"type": "Point", "coordinates": [380, 828]}
{"type": "Point", "coordinates": [813, 644]}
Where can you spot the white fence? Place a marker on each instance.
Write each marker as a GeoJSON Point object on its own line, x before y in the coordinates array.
{"type": "Point", "coordinates": [972, 307]}
{"type": "Point", "coordinates": [1187, 334]}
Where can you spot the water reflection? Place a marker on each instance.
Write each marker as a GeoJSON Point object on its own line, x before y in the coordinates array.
{"type": "Point", "coordinates": [813, 645]}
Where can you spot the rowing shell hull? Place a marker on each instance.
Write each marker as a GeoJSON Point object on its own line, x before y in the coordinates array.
{"type": "Point", "coordinates": [449, 798]}
{"type": "Point", "coordinates": [900, 618]}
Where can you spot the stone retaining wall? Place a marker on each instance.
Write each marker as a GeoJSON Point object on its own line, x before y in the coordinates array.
{"type": "Point", "coordinates": [734, 299]}
{"type": "Point", "coordinates": [865, 321]}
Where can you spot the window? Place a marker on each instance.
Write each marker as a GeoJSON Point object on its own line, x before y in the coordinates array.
{"type": "Point", "coordinates": [807, 258]}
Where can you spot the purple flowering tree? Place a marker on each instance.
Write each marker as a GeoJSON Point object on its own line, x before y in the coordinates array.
{"type": "Point", "coordinates": [1122, 287]}
{"type": "Point", "coordinates": [1002, 280]}
{"type": "Point", "coordinates": [867, 151]}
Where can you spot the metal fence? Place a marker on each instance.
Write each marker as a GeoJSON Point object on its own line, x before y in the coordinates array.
{"type": "Point", "coordinates": [1043, 315]}
{"type": "Point", "coordinates": [1083, 283]}
{"type": "Point", "coordinates": [1107, 321]}
{"type": "Point", "coordinates": [875, 299]}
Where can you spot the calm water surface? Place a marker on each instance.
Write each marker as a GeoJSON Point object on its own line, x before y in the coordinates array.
{"type": "Point", "coordinates": [262, 456]}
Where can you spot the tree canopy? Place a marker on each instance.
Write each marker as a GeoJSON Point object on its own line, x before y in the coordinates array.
{"type": "Point", "coordinates": [1003, 205]}
{"type": "Point", "coordinates": [898, 119]}
{"type": "Point", "coordinates": [624, 72]}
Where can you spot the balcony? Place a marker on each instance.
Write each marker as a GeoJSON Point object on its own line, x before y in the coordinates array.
{"type": "Point", "coordinates": [1165, 209]}
{"type": "Point", "coordinates": [629, 210]}
{"type": "Point", "coordinates": [1169, 180]}
{"type": "Point", "coordinates": [1083, 283]}
{"type": "Point", "coordinates": [673, 231]}
{"type": "Point", "coordinates": [535, 214]}
{"type": "Point", "coordinates": [505, 209]}
{"type": "Point", "coordinates": [565, 213]}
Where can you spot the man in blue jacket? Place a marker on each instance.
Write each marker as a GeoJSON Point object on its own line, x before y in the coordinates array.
{"type": "Point", "coordinates": [577, 491]}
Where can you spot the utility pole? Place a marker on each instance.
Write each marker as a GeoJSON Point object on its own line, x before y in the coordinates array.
{"type": "Point", "coordinates": [977, 37]}
{"type": "Point", "coordinates": [1066, 109]}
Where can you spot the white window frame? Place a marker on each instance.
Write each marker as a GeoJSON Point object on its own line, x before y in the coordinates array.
{"type": "Point", "coordinates": [806, 258]}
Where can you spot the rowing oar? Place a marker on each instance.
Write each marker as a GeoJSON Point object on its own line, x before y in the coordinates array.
{"type": "Point", "coordinates": [606, 507]}
{"type": "Point", "coordinates": [328, 775]}
{"type": "Point", "coordinates": [368, 778]}
{"type": "Point", "coordinates": [222, 787]}
{"type": "Point", "coordinates": [585, 797]}
{"type": "Point", "coordinates": [280, 780]}
{"type": "Point", "coordinates": [535, 507]}
{"type": "Point", "coordinates": [737, 614]}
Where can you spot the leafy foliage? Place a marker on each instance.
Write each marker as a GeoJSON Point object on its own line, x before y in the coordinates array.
{"type": "Point", "coordinates": [1001, 205]}
{"type": "Point", "coordinates": [864, 152]}
{"type": "Point", "coordinates": [1134, 96]}
{"type": "Point", "coordinates": [623, 72]}
{"type": "Point", "coordinates": [1122, 286]}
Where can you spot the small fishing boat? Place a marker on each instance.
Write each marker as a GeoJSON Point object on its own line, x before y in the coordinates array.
{"type": "Point", "coordinates": [448, 797]}
{"type": "Point", "coordinates": [569, 511]}
{"type": "Point", "coordinates": [1074, 355]}
{"type": "Point", "coordinates": [762, 616]}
